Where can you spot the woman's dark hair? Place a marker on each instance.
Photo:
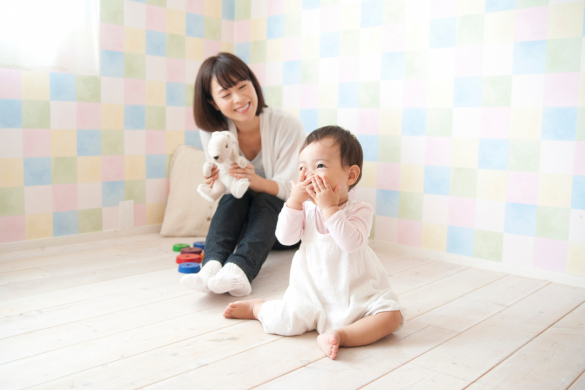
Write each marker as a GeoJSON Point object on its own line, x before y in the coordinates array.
{"type": "Point", "coordinates": [228, 70]}
{"type": "Point", "coordinates": [350, 149]}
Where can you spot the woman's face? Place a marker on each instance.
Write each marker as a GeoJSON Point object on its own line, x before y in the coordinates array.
{"type": "Point", "coordinates": [238, 103]}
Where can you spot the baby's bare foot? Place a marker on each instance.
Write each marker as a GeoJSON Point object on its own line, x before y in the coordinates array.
{"type": "Point", "coordinates": [242, 309]}
{"type": "Point", "coordinates": [329, 344]}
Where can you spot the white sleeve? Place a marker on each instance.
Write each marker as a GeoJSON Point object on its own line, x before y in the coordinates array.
{"type": "Point", "coordinates": [287, 147]}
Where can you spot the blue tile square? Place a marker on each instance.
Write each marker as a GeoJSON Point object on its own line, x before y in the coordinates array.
{"type": "Point", "coordinates": [228, 9]}
{"type": "Point", "coordinates": [11, 113]}
{"type": "Point", "coordinates": [460, 240]}
{"type": "Point", "coordinates": [275, 27]}
{"type": "Point", "coordinates": [156, 166]}
{"type": "Point", "coordinates": [310, 119]}
{"type": "Point", "coordinates": [414, 121]}
{"type": "Point", "coordinates": [467, 92]}
{"type": "Point", "coordinates": [112, 63]}
{"type": "Point", "coordinates": [530, 57]}
{"type": "Point", "coordinates": [89, 143]}
{"type": "Point", "coordinates": [348, 95]}
{"type": "Point", "coordinates": [369, 146]}
{"type": "Point", "coordinates": [443, 33]}
{"type": "Point", "coordinates": [156, 41]}
{"type": "Point", "coordinates": [520, 219]}
{"type": "Point", "coordinates": [113, 193]}
{"type": "Point", "coordinates": [559, 123]}
{"type": "Point", "coordinates": [194, 139]}
{"type": "Point", "coordinates": [63, 87]}
{"type": "Point", "coordinates": [499, 5]}
{"type": "Point", "coordinates": [243, 50]}
{"type": "Point", "coordinates": [372, 13]}
{"type": "Point", "coordinates": [37, 171]}
{"type": "Point", "coordinates": [387, 203]}
{"type": "Point", "coordinates": [292, 72]}
{"type": "Point", "coordinates": [176, 94]}
{"type": "Point", "coordinates": [437, 180]}
{"type": "Point", "coordinates": [311, 4]}
{"type": "Point", "coordinates": [65, 223]}
{"type": "Point", "coordinates": [493, 154]}
{"type": "Point", "coordinates": [329, 44]}
{"type": "Point", "coordinates": [134, 117]}
{"type": "Point", "coordinates": [393, 66]}
{"type": "Point", "coordinates": [578, 197]}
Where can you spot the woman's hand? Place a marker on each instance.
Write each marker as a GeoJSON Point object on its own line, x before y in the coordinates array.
{"type": "Point", "coordinates": [244, 173]}
{"type": "Point", "coordinates": [325, 197]}
{"type": "Point", "coordinates": [209, 180]}
{"type": "Point", "coordinates": [298, 193]}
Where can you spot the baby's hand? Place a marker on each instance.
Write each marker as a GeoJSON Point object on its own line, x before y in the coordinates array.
{"type": "Point", "coordinates": [325, 197]}
{"type": "Point", "coordinates": [298, 193]}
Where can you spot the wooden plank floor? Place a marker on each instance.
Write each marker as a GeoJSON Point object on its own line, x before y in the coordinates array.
{"type": "Point", "coordinates": [111, 315]}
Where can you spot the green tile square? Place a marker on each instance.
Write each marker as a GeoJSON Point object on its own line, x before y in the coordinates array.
{"type": "Point", "coordinates": [464, 182]}
{"type": "Point", "coordinates": [497, 91]}
{"type": "Point", "coordinates": [580, 124]}
{"type": "Point", "coordinates": [160, 3]}
{"type": "Point", "coordinates": [524, 155]}
{"type": "Point", "coordinates": [243, 9]}
{"type": "Point", "coordinates": [439, 122]}
{"type": "Point", "coordinates": [389, 148]}
{"type": "Point", "coordinates": [112, 11]}
{"type": "Point", "coordinates": [488, 245]}
{"type": "Point", "coordinates": [369, 94]}
{"type": "Point", "coordinates": [563, 55]}
{"type": "Point", "coordinates": [155, 118]}
{"type": "Point", "coordinates": [36, 114]}
{"type": "Point", "coordinates": [410, 206]}
{"type": "Point", "coordinates": [257, 51]}
{"type": "Point", "coordinates": [292, 24]}
{"type": "Point", "coordinates": [189, 95]}
{"type": "Point", "coordinates": [90, 220]}
{"type": "Point", "coordinates": [530, 3]}
{"type": "Point", "coordinates": [273, 95]}
{"type": "Point", "coordinates": [327, 117]}
{"type": "Point", "coordinates": [134, 66]}
{"type": "Point", "coordinates": [112, 143]}
{"type": "Point", "coordinates": [553, 222]}
{"type": "Point", "coordinates": [470, 30]}
{"type": "Point", "coordinates": [394, 11]}
{"type": "Point", "coordinates": [416, 64]}
{"type": "Point", "coordinates": [349, 43]}
{"type": "Point", "coordinates": [176, 45]}
{"type": "Point", "coordinates": [212, 29]}
{"type": "Point", "coordinates": [88, 89]}
{"type": "Point", "coordinates": [135, 190]}
{"type": "Point", "coordinates": [64, 170]}
{"type": "Point", "coordinates": [11, 201]}
{"type": "Point", "coordinates": [310, 71]}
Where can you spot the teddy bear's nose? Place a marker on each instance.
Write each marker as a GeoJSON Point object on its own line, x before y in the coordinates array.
{"type": "Point", "coordinates": [216, 157]}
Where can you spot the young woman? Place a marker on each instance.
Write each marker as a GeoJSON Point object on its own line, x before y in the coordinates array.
{"type": "Point", "coordinates": [242, 232]}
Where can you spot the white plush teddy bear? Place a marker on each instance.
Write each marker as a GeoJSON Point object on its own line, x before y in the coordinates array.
{"type": "Point", "coordinates": [223, 151]}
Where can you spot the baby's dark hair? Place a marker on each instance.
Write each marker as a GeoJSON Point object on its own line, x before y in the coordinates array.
{"type": "Point", "coordinates": [350, 150]}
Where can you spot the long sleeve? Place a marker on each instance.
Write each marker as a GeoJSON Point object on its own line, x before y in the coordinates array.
{"type": "Point", "coordinates": [290, 225]}
{"type": "Point", "coordinates": [351, 232]}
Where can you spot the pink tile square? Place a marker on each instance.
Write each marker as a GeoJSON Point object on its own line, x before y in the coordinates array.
{"type": "Point", "coordinates": [293, 49]}
{"type": "Point", "coordinates": [211, 48]}
{"type": "Point", "coordinates": [522, 187]}
{"type": "Point", "coordinates": [11, 143]}
{"type": "Point", "coordinates": [12, 229]}
{"type": "Point", "coordinates": [330, 20]}
{"type": "Point", "coordinates": [110, 219]}
{"type": "Point", "coordinates": [157, 190]}
{"type": "Point", "coordinates": [63, 115]}
{"type": "Point", "coordinates": [175, 119]}
{"type": "Point", "coordinates": [112, 37]}
{"type": "Point", "coordinates": [550, 254]}
{"type": "Point", "coordinates": [388, 176]}
{"type": "Point", "coordinates": [394, 38]}
{"type": "Point", "coordinates": [409, 232]}
{"type": "Point", "coordinates": [89, 116]}
{"type": "Point", "coordinates": [190, 120]}
{"type": "Point", "coordinates": [386, 229]}
{"type": "Point", "coordinates": [195, 6]}
{"type": "Point", "coordinates": [349, 69]}
{"type": "Point", "coordinates": [140, 215]}
{"type": "Point", "coordinates": [11, 82]}
{"type": "Point", "coordinates": [36, 142]}
{"type": "Point", "coordinates": [155, 142]}
{"type": "Point", "coordinates": [260, 72]}
{"type": "Point", "coordinates": [469, 61]}
{"type": "Point", "coordinates": [369, 121]}
{"type": "Point", "coordinates": [443, 8]}
{"type": "Point", "coordinates": [112, 168]}
{"type": "Point", "coordinates": [309, 96]}
{"type": "Point", "coordinates": [579, 158]}
{"type": "Point", "coordinates": [112, 90]}
{"type": "Point", "coordinates": [156, 18]}
{"type": "Point", "coordinates": [561, 89]}
{"type": "Point", "coordinates": [462, 212]}
{"type": "Point", "coordinates": [495, 122]}
{"type": "Point", "coordinates": [531, 23]}
{"type": "Point", "coordinates": [242, 31]}
{"type": "Point", "coordinates": [415, 93]}
{"type": "Point", "coordinates": [89, 195]}
{"type": "Point", "coordinates": [438, 151]}
{"type": "Point", "coordinates": [227, 30]}
{"type": "Point", "coordinates": [64, 197]}
{"type": "Point", "coordinates": [38, 200]}
{"type": "Point", "coordinates": [134, 91]}
{"type": "Point", "coordinates": [275, 7]}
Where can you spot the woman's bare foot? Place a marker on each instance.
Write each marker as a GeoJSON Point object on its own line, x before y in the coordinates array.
{"type": "Point", "coordinates": [246, 310]}
{"type": "Point", "coordinates": [329, 344]}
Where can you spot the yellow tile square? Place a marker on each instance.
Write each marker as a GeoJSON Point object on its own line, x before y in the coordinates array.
{"type": "Point", "coordinates": [258, 29]}
{"type": "Point", "coordinates": [275, 50]}
{"type": "Point", "coordinates": [464, 152]}
{"type": "Point", "coordinates": [63, 143]}
{"type": "Point", "coordinates": [175, 22]}
{"type": "Point", "coordinates": [293, 6]}
{"type": "Point", "coordinates": [134, 167]}
{"type": "Point", "coordinates": [417, 35]}
{"type": "Point", "coordinates": [112, 116]}
{"type": "Point", "coordinates": [491, 185]}
{"type": "Point", "coordinates": [39, 226]}
{"type": "Point", "coordinates": [194, 49]}
{"type": "Point", "coordinates": [412, 178]}
{"type": "Point", "coordinates": [576, 259]}
{"type": "Point", "coordinates": [156, 93]}
{"type": "Point", "coordinates": [441, 92]}
{"type": "Point", "coordinates": [11, 172]}
{"type": "Point", "coordinates": [434, 237]}
{"type": "Point", "coordinates": [134, 40]}
{"type": "Point", "coordinates": [390, 121]}
{"type": "Point", "coordinates": [350, 15]}
{"type": "Point", "coordinates": [174, 139]}
{"type": "Point", "coordinates": [213, 8]}
{"type": "Point", "coordinates": [369, 174]}
{"type": "Point", "coordinates": [371, 40]}
{"type": "Point", "coordinates": [328, 95]}
{"type": "Point", "coordinates": [499, 27]}
{"type": "Point", "coordinates": [310, 46]}
{"type": "Point", "coordinates": [565, 20]}
{"type": "Point", "coordinates": [554, 190]}
{"type": "Point", "coordinates": [526, 123]}
{"type": "Point", "coordinates": [154, 213]}
{"type": "Point", "coordinates": [89, 169]}
{"type": "Point", "coordinates": [228, 47]}
{"type": "Point", "coordinates": [36, 85]}
{"type": "Point", "coordinates": [470, 7]}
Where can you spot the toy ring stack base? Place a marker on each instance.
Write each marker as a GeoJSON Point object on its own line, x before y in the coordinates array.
{"type": "Point", "coordinates": [189, 268]}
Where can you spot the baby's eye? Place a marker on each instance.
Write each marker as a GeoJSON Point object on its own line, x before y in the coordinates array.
{"type": "Point", "coordinates": [320, 166]}
{"type": "Point", "coordinates": [226, 96]}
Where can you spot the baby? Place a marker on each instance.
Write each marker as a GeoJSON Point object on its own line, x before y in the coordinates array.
{"type": "Point", "coordinates": [337, 284]}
